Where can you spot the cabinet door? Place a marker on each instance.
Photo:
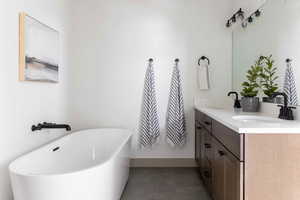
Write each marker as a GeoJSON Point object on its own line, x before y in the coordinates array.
{"type": "Point", "coordinates": [198, 143]}
{"type": "Point", "coordinates": [206, 174]}
{"type": "Point", "coordinates": [218, 172]}
{"type": "Point", "coordinates": [232, 169]}
{"type": "Point", "coordinates": [226, 174]}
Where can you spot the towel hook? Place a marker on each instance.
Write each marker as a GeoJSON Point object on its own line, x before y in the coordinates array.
{"type": "Point", "coordinates": [288, 60]}
{"type": "Point", "coordinates": [203, 58]}
{"type": "Point", "coordinates": [150, 60]}
{"type": "Point", "coordinates": [177, 60]}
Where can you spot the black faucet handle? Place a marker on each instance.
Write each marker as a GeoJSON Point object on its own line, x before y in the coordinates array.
{"type": "Point", "coordinates": [36, 127]}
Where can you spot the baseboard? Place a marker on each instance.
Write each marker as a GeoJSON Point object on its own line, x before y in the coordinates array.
{"type": "Point", "coordinates": [163, 162]}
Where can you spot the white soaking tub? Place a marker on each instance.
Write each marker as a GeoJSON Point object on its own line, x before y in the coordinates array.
{"type": "Point", "coordinates": [86, 165]}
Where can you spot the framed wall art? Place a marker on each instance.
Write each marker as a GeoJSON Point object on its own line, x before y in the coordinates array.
{"type": "Point", "coordinates": [38, 51]}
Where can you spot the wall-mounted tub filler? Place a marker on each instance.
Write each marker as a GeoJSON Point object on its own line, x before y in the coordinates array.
{"type": "Point", "coordinates": [46, 125]}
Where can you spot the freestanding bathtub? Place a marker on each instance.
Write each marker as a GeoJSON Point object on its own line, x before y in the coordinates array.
{"type": "Point", "coordinates": [86, 165]}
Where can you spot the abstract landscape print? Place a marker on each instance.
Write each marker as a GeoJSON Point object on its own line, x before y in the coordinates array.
{"type": "Point", "coordinates": [39, 51]}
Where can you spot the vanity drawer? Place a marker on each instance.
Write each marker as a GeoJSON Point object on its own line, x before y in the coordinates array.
{"type": "Point", "coordinates": [231, 140]}
{"type": "Point", "coordinates": [208, 146]}
{"type": "Point", "coordinates": [206, 121]}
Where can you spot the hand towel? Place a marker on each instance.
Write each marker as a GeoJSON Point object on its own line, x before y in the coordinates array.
{"type": "Point", "coordinates": [203, 77]}
{"type": "Point", "coordinates": [175, 124]}
{"type": "Point", "coordinates": [149, 122]}
{"type": "Point", "coordinates": [289, 87]}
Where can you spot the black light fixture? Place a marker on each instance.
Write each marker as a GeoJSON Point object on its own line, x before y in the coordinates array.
{"type": "Point", "coordinates": [233, 19]}
{"type": "Point", "coordinates": [228, 24]}
{"type": "Point", "coordinates": [250, 19]}
{"type": "Point", "coordinates": [257, 13]}
{"type": "Point", "coordinates": [238, 15]}
{"type": "Point", "coordinates": [241, 14]}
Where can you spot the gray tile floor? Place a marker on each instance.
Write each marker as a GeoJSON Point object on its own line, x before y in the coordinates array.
{"type": "Point", "coordinates": [164, 184]}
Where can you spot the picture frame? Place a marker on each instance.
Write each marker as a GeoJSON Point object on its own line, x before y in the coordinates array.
{"type": "Point", "coordinates": [38, 51]}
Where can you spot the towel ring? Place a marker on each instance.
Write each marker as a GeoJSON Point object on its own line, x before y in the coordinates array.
{"type": "Point", "coordinates": [203, 58]}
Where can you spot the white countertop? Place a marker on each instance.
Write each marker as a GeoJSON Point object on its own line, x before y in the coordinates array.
{"type": "Point", "coordinates": [224, 116]}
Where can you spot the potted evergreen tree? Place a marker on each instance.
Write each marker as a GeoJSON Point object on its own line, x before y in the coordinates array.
{"type": "Point", "coordinates": [250, 101]}
{"type": "Point", "coordinates": [268, 80]}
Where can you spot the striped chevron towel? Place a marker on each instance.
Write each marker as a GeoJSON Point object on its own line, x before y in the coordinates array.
{"type": "Point", "coordinates": [149, 124]}
{"type": "Point", "coordinates": [289, 87]}
{"type": "Point", "coordinates": [175, 125]}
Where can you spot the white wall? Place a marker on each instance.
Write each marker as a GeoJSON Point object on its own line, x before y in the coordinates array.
{"type": "Point", "coordinates": [23, 104]}
{"type": "Point", "coordinates": [111, 42]}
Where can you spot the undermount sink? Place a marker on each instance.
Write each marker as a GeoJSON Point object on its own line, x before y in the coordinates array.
{"type": "Point", "coordinates": [261, 119]}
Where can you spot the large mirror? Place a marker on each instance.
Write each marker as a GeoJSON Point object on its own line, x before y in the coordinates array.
{"type": "Point", "coordinates": [275, 35]}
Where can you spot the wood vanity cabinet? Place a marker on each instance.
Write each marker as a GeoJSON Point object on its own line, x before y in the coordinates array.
{"type": "Point", "coordinates": [219, 167]}
{"type": "Point", "coordinates": [250, 166]}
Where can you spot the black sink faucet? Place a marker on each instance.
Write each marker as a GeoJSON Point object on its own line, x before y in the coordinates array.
{"type": "Point", "coordinates": [237, 103]}
{"type": "Point", "coordinates": [286, 111]}
{"type": "Point", "coordinates": [50, 125]}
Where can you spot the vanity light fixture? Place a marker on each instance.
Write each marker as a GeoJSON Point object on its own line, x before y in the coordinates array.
{"type": "Point", "coordinates": [238, 15]}
{"type": "Point", "coordinates": [250, 19]}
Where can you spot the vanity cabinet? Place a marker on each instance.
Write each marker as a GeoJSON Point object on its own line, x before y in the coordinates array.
{"type": "Point", "coordinates": [218, 154]}
{"type": "Point", "coordinates": [260, 163]}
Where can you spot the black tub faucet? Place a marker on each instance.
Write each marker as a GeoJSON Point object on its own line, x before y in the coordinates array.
{"type": "Point", "coordinates": [237, 103]}
{"type": "Point", "coordinates": [286, 111]}
{"type": "Point", "coordinates": [46, 125]}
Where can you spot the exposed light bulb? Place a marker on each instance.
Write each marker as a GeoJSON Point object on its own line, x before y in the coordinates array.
{"type": "Point", "coordinates": [244, 24]}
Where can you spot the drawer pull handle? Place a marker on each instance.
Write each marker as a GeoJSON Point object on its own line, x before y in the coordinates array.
{"type": "Point", "coordinates": [221, 153]}
{"type": "Point", "coordinates": [208, 146]}
{"type": "Point", "coordinates": [199, 127]}
{"type": "Point", "coordinates": [206, 174]}
{"type": "Point", "coordinates": [207, 123]}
